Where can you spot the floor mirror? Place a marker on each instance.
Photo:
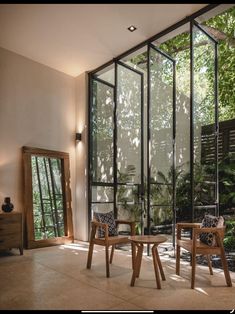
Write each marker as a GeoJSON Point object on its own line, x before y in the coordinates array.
{"type": "Point", "coordinates": [47, 197]}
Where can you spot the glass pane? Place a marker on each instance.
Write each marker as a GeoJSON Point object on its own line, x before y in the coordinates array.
{"type": "Point", "coordinates": [128, 125]}
{"type": "Point", "coordinates": [177, 45]}
{"type": "Point", "coordinates": [47, 197]}
{"type": "Point", "coordinates": [102, 194]}
{"type": "Point", "coordinates": [102, 133]}
{"type": "Point", "coordinates": [128, 202]}
{"type": "Point", "coordinates": [161, 117]}
{"type": "Point", "coordinates": [107, 74]}
{"type": "Point", "coordinates": [204, 120]}
{"type": "Point", "coordinates": [161, 194]}
{"type": "Point", "coordinates": [161, 135]}
{"type": "Point", "coordinates": [102, 208]}
{"type": "Point", "coordinates": [161, 219]}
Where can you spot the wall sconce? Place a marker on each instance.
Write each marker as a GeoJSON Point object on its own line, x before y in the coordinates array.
{"type": "Point", "coordinates": [78, 137]}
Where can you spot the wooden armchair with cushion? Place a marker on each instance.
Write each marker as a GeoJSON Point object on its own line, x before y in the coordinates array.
{"type": "Point", "coordinates": [205, 241]}
{"type": "Point", "coordinates": [105, 234]}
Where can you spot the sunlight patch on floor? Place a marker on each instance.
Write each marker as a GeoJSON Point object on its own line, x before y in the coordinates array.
{"type": "Point", "coordinates": [74, 247]}
{"type": "Point", "coordinates": [177, 278]}
{"type": "Point", "coordinates": [201, 291]}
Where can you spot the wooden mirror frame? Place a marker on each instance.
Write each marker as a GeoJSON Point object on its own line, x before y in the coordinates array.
{"type": "Point", "coordinates": [30, 242]}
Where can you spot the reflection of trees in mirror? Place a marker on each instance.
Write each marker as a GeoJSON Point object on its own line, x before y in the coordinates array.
{"type": "Point", "coordinates": [47, 197]}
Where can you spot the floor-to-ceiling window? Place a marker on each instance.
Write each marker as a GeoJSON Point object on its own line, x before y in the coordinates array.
{"type": "Point", "coordinates": [154, 137]}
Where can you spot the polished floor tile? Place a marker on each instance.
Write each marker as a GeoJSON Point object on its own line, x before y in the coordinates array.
{"type": "Point", "coordinates": [56, 278]}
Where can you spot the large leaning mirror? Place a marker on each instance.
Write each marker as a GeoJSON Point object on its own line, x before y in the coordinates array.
{"type": "Point", "coordinates": [47, 197]}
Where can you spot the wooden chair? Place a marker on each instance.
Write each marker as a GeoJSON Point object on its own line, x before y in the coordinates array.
{"type": "Point", "coordinates": [195, 246]}
{"type": "Point", "coordinates": [108, 241]}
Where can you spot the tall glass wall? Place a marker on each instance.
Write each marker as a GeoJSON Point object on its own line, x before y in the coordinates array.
{"type": "Point", "coordinates": [129, 141]}
{"type": "Point", "coordinates": [204, 63]}
{"type": "Point", "coordinates": [101, 146]}
{"type": "Point", "coordinates": [154, 132]}
{"type": "Point", "coordinates": [161, 140]}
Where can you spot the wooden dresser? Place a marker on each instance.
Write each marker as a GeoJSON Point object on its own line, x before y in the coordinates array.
{"type": "Point", "coordinates": [11, 231]}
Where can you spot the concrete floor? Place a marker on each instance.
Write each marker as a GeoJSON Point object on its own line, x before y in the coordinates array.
{"type": "Point", "coordinates": [57, 278]}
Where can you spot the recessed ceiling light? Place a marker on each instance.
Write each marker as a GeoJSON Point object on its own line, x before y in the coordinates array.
{"type": "Point", "coordinates": [132, 28]}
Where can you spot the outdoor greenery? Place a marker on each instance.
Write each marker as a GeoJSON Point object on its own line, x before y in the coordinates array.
{"type": "Point", "coordinates": [221, 27]}
{"type": "Point", "coordinates": [48, 209]}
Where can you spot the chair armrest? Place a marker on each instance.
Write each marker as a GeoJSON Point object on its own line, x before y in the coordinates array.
{"type": "Point", "coordinates": [126, 222]}
{"type": "Point", "coordinates": [186, 225]}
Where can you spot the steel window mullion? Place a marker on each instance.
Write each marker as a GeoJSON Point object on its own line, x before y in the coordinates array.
{"type": "Point", "coordinates": [89, 149]}
{"type": "Point", "coordinates": [216, 128]}
{"type": "Point", "coordinates": [142, 154]}
{"type": "Point", "coordinates": [192, 120]}
{"type": "Point", "coordinates": [95, 78]}
{"type": "Point", "coordinates": [115, 139]}
{"type": "Point", "coordinates": [164, 54]}
{"type": "Point", "coordinates": [148, 140]}
{"type": "Point", "coordinates": [204, 31]}
{"type": "Point", "coordinates": [129, 67]}
{"type": "Point", "coordinates": [174, 153]}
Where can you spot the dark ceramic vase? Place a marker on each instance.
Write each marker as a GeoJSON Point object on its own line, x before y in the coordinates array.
{"type": "Point", "coordinates": [7, 206]}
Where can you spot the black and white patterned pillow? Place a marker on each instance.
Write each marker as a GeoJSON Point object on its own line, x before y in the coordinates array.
{"type": "Point", "coordinates": [210, 221]}
{"type": "Point", "coordinates": [107, 218]}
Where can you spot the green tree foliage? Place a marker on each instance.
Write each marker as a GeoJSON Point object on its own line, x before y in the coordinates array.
{"type": "Point", "coordinates": [222, 28]}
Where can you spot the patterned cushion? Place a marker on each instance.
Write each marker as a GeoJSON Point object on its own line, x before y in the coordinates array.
{"type": "Point", "coordinates": [107, 218]}
{"type": "Point", "coordinates": [210, 221]}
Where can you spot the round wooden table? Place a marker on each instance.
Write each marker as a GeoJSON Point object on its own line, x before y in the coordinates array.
{"type": "Point", "coordinates": [139, 242]}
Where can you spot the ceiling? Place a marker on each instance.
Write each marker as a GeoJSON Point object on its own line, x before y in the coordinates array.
{"type": "Point", "coordinates": [74, 38]}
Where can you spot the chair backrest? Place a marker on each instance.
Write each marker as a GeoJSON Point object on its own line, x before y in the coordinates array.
{"type": "Point", "coordinates": [209, 221]}
{"type": "Point", "coordinates": [107, 218]}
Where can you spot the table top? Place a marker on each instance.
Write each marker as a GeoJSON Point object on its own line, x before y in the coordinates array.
{"type": "Point", "coordinates": [148, 239]}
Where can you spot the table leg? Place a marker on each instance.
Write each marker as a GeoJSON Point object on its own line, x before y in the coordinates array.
{"type": "Point", "coordinates": [137, 263]}
{"type": "Point", "coordinates": [155, 263]}
{"type": "Point", "coordinates": [159, 262]}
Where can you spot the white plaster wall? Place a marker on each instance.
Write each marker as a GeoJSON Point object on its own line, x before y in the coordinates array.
{"type": "Point", "coordinates": [37, 108]}
{"type": "Point", "coordinates": [81, 217]}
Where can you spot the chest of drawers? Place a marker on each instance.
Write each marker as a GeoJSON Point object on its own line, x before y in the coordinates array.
{"type": "Point", "coordinates": [11, 231]}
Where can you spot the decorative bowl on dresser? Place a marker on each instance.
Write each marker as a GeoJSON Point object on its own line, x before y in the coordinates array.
{"type": "Point", "coordinates": [11, 231]}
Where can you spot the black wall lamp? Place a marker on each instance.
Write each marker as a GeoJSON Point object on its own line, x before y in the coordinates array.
{"type": "Point", "coordinates": [78, 137]}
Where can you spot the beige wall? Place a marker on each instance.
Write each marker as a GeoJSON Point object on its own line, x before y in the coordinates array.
{"type": "Point", "coordinates": [37, 108]}
{"type": "Point", "coordinates": [81, 218]}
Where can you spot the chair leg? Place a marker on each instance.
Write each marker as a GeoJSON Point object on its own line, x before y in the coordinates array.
{"type": "Point", "coordinates": [133, 254]}
{"type": "Point", "coordinates": [90, 253]}
{"type": "Point", "coordinates": [225, 267]}
{"type": "Point", "coordinates": [209, 264]}
{"type": "Point", "coordinates": [112, 252]}
{"type": "Point", "coordinates": [107, 260]}
{"type": "Point", "coordinates": [193, 260]}
{"type": "Point", "coordinates": [177, 259]}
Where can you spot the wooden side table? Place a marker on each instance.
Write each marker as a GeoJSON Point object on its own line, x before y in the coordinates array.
{"type": "Point", "coordinates": [139, 242]}
{"type": "Point", "coordinates": [11, 231]}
